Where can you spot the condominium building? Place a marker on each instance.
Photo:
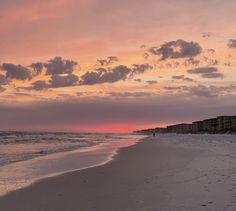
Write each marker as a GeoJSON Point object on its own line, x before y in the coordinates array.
{"type": "Point", "coordinates": [179, 128]}
{"type": "Point", "coordinates": [225, 123]}
{"type": "Point", "coordinates": [221, 124]}
{"type": "Point", "coordinates": [210, 125]}
{"type": "Point", "coordinates": [197, 126]}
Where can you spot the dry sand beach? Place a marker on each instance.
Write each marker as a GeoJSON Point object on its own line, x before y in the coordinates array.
{"type": "Point", "coordinates": [158, 174]}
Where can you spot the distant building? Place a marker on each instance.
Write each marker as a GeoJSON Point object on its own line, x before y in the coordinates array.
{"type": "Point", "coordinates": [179, 128]}
{"type": "Point", "coordinates": [160, 130]}
{"type": "Point", "coordinates": [209, 125]}
{"type": "Point", "coordinates": [234, 124]}
{"type": "Point", "coordinates": [197, 126]}
{"type": "Point", "coordinates": [151, 131]}
{"type": "Point", "coordinates": [225, 123]}
{"type": "Point", "coordinates": [221, 124]}
{"type": "Point", "coordinates": [145, 132]}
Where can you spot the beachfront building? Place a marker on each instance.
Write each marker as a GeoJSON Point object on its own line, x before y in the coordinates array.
{"type": "Point", "coordinates": [209, 125]}
{"type": "Point", "coordinates": [145, 131]}
{"type": "Point", "coordinates": [152, 130]}
{"type": "Point", "coordinates": [197, 127]}
{"type": "Point", "coordinates": [160, 130]}
{"type": "Point", "coordinates": [179, 128]}
{"type": "Point", "coordinates": [225, 123]}
{"type": "Point", "coordinates": [221, 124]}
{"type": "Point", "coordinates": [234, 124]}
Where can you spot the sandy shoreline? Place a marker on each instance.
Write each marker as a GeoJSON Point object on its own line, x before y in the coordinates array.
{"type": "Point", "coordinates": [151, 175]}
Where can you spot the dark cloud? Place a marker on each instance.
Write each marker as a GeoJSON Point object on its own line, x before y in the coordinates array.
{"type": "Point", "coordinates": [61, 70]}
{"type": "Point", "coordinates": [182, 77]}
{"type": "Point", "coordinates": [113, 58]}
{"type": "Point", "coordinates": [213, 62]}
{"type": "Point", "coordinates": [17, 72]}
{"type": "Point", "coordinates": [172, 64]}
{"type": "Point", "coordinates": [202, 70]}
{"type": "Point", "coordinates": [129, 94]}
{"type": "Point", "coordinates": [37, 67]}
{"type": "Point", "coordinates": [110, 60]}
{"type": "Point", "coordinates": [206, 72]}
{"type": "Point", "coordinates": [191, 62]}
{"type": "Point", "coordinates": [171, 88]}
{"type": "Point", "coordinates": [102, 62]}
{"type": "Point", "coordinates": [111, 75]}
{"type": "Point", "coordinates": [98, 76]}
{"type": "Point", "coordinates": [206, 91]}
{"type": "Point", "coordinates": [103, 75]}
{"type": "Point", "coordinates": [21, 94]}
{"type": "Point", "coordinates": [56, 81]}
{"type": "Point", "coordinates": [225, 90]}
{"type": "Point", "coordinates": [151, 82]}
{"type": "Point", "coordinates": [138, 80]}
{"type": "Point", "coordinates": [210, 61]}
{"type": "Point", "coordinates": [60, 66]}
{"type": "Point", "coordinates": [202, 91]}
{"type": "Point", "coordinates": [178, 77]}
{"type": "Point", "coordinates": [40, 85]}
{"type": "Point", "coordinates": [63, 81]}
{"type": "Point", "coordinates": [176, 49]}
{"type": "Point", "coordinates": [232, 43]}
{"type": "Point", "coordinates": [3, 80]}
{"type": "Point", "coordinates": [140, 68]}
{"type": "Point", "coordinates": [212, 75]}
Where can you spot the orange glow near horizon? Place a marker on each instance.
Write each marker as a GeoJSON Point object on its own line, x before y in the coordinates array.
{"type": "Point", "coordinates": [114, 128]}
{"type": "Point", "coordinates": [119, 128]}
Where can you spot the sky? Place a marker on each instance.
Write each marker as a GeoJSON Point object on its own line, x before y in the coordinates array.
{"type": "Point", "coordinates": [115, 66]}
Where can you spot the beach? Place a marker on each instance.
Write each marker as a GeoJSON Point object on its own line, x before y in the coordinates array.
{"type": "Point", "coordinates": [166, 173]}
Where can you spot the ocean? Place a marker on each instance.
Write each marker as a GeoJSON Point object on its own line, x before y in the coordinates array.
{"type": "Point", "coordinates": [26, 157]}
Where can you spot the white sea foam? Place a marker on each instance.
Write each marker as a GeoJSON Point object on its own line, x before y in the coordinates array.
{"type": "Point", "coordinates": [18, 146]}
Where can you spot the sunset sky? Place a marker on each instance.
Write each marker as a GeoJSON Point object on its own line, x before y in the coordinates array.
{"type": "Point", "coordinates": [115, 66]}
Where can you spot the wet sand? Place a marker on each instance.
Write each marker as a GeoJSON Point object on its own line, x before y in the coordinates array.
{"type": "Point", "coordinates": [151, 175]}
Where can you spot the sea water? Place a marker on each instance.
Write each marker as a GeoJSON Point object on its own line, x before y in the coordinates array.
{"type": "Point", "coordinates": [28, 157]}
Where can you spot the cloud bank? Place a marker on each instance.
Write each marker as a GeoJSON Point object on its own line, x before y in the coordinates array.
{"type": "Point", "coordinates": [17, 72]}
{"type": "Point", "coordinates": [176, 50]}
{"type": "Point", "coordinates": [206, 72]}
{"type": "Point", "coordinates": [79, 115]}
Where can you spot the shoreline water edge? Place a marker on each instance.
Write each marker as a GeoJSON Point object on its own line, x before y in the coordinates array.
{"type": "Point", "coordinates": [23, 165]}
